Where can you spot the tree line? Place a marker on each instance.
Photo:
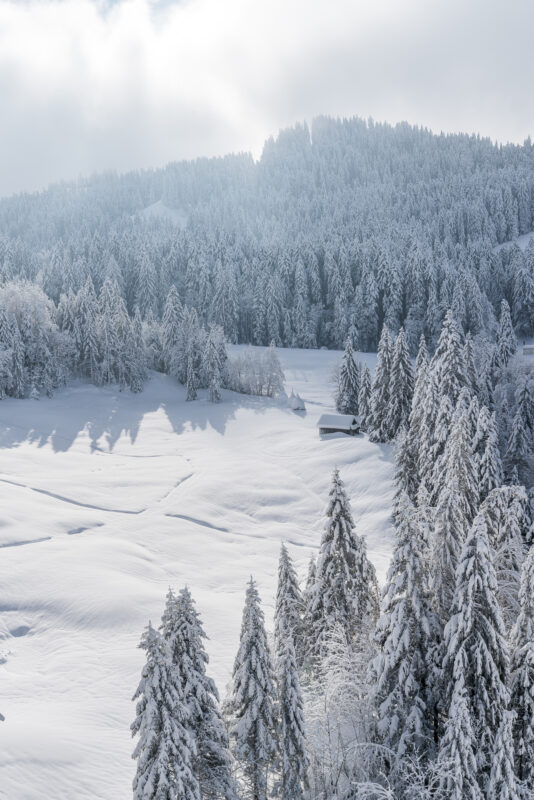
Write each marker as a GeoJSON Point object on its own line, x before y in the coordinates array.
{"type": "Point", "coordinates": [93, 336]}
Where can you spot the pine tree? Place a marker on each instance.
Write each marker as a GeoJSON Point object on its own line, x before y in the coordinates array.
{"type": "Point", "coordinates": [405, 636]}
{"type": "Point", "coordinates": [475, 646]}
{"type": "Point", "coordinates": [171, 325]}
{"type": "Point", "coordinates": [289, 605]}
{"type": "Point", "coordinates": [470, 368]}
{"type": "Point", "coordinates": [165, 749]}
{"type": "Point", "coordinates": [348, 383]}
{"type": "Point", "coordinates": [345, 589]}
{"type": "Point", "coordinates": [455, 511]}
{"type": "Point", "coordinates": [522, 678]}
{"type": "Point", "coordinates": [252, 705]}
{"type": "Point", "coordinates": [308, 635]}
{"type": "Point", "coordinates": [402, 385]}
{"type": "Point", "coordinates": [191, 386]}
{"type": "Point", "coordinates": [487, 448]}
{"type": "Point", "coordinates": [379, 430]}
{"type": "Point", "coordinates": [212, 764]}
{"type": "Point", "coordinates": [212, 367]}
{"type": "Point", "coordinates": [502, 781]}
{"type": "Point", "coordinates": [457, 753]}
{"type": "Point", "coordinates": [292, 736]}
{"type": "Point", "coordinates": [506, 339]}
{"type": "Point", "coordinates": [410, 450]}
{"type": "Point", "coordinates": [146, 297]}
{"type": "Point", "coordinates": [18, 368]}
{"type": "Point", "coordinates": [448, 363]}
{"type": "Point", "coordinates": [364, 397]}
{"type": "Point", "coordinates": [274, 375]}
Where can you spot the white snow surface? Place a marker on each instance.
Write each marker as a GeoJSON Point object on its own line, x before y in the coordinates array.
{"type": "Point", "coordinates": [521, 241]}
{"type": "Point", "coordinates": [159, 210]}
{"type": "Point", "coordinates": [107, 499]}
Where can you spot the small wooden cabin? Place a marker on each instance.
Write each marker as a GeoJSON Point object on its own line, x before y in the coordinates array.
{"type": "Point", "coordinates": [528, 350]}
{"type": "Point", "coordinates": [339, 423]}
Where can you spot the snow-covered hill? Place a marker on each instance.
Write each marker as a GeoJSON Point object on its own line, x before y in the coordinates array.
{"type": "Point", "coordinates": [106, 499]}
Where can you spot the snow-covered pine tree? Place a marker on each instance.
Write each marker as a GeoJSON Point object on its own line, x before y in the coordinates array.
{"type": "Point", "coordinates": [252, 705]}
{"type": "Point", "coordinates": [522, 679]}
{"type": "Point", "coordinates": [506, 338]}
{"type": "Point", "coordinates": [345, 589]}
{"type": "Point", "coordinates": [412, 445]}
{"type": "Point", "coordinates": [502, 781]}
{"type": "Point", "coordinates": [182, 629]}
{"type": "Point", "coordinates": [455, 511]}
{"type": "Point", "coordinates": [405, 470]}
{"type": "Point", "coordinates": [18, 370]}
{"type": "Point", "coordinates": [274, 374]}
{"type": "Point", "coordinates": [191, 385]}
{"type": "Point", "coordinates": [519, 450]}
{"type": "Point", "coordinates": [348, 384]}
{"type": "Point", "coordinates": [135, 355]}
{"type": "Point", "coordinates": [401, 386]}
{"type": "Point", "coordinates": [165, 749]}
{"type": "Point", "coordinates": [489, 456]}
{"type": "Point", "coordinates": [476, 647]}
{"type": "Point", "coordinates": [212, 367]}
{"type": "Point", "coordinates": [364, 397]}
{"type": "Point", "coordinates": [291, 733]}
{"type": "Point", "coordinates": [289, 606]}
{"type": "Point", "coordinates": [447, 362]}
{"type": "Point", "coordinates": [405, 635]}
{"type": "Point", "coordinates": [171, 325]}
{"type": "Point", "coordinates": [457, 762]}
{"type": "Point", "coordinates": [308, 639]}
{"type": "Point", "coordinates": [146, 296]}
{"type": "Point", "coordinates": [469, 362]}
{"type": "Point", "coordinates": [378, 425]}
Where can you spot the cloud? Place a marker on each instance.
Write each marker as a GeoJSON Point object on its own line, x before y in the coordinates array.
{"type": "Point", "coordinates": [92, 84]}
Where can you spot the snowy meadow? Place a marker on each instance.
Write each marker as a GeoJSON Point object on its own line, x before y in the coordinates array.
{"type": "Point", "coordinates": [108, 498]}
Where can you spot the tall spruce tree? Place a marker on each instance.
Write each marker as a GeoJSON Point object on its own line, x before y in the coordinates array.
{"type": "Point", "coordinates": [289, 606]}
{"type": "Point", "coordinates": [458, 769]}
{"type": "Point", "coordinates": [212, 765]}
{"type": "Point", "coordinates": [405, 635]}
{"type": "Point", "coordinates": [364, 397]}
{"type": "Point", "coordinates": [522, 679]}
{"type": "Point", "coordinates": [402, 386]}
{"type": "Point", "coordinates": [292, 736]}
{"type": "Point", "coordinates": [379, 430]}
{"type": "Point", "coordinates": [348, 382]}
{"type": "Point", "coordinates": [489, 456]}
{"type": "Point", "coordinates": [502, 781]}
{"type": "Point", "coordinates": [506, 338]}
{"type": "Point", "coordinates": [165, 750]}
{"type": "Point", "coordinates": [252, 706]}
{"type": "Point", "coordinates": [345, 590]}
{"type": "Point", "coordinates": [476, 653]}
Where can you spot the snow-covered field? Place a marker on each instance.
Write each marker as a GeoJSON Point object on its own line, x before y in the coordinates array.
{"type": "Point", "coordinates": [106, 499]}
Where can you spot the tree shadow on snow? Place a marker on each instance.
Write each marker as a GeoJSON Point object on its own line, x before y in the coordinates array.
{"type": "Point", "coordinates": [107, 414]}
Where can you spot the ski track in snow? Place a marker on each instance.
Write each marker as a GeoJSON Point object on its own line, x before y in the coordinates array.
{"type": "Point", "coordinates": [27, 541]}
{"type": "Point", "coordinates": [71, 501]}
{"type": "Point", "coordinates": [214, 489]}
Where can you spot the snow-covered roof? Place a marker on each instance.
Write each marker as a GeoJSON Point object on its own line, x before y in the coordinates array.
{"type": "Point", "coordinates": [338, 421]}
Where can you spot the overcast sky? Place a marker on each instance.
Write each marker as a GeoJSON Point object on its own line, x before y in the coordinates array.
{"type": "Point", "coordinates": [97, 84]}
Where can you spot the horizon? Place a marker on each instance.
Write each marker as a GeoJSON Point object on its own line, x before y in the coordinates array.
{"type": "Point", "coordinates": [90, 86]}
{"type": "Point", "coordinates": [257, 154]}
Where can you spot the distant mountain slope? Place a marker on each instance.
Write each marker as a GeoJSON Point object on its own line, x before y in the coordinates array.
{"type": "Point", "coordinates": [337, 229]}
